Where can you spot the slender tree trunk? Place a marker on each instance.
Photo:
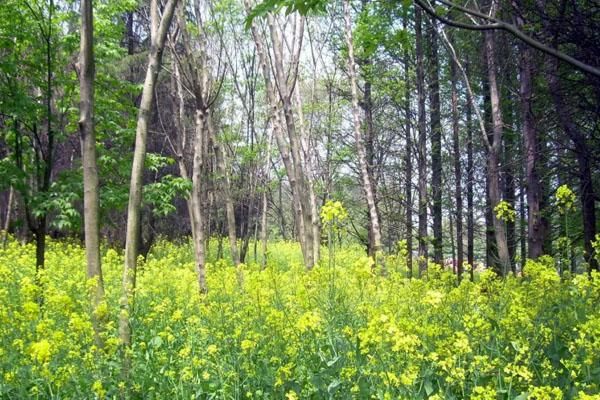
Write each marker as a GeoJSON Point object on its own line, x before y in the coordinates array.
{"type": "Point", "coordinates": [508, 172]}
{"type": "Point", "coordinates": [408, 162]}
{"type": "Point", "coordinates": [422, 144]}
{"type": "Point", "coordinates": [535, 228]}
{"type": "Point", "coordinates": [369, 140]}
{"type": "Point", "coordinates": [7, 220]}
{"type": "Point", "coordinates": [198, 194]}
{"type": "Point", "coordinates": [310, 179]}
{"type": "Point", "coordinates": [470, 184]}
{"type": "Point", "coordinates": [90, 166]}
{"type": "Point", "coordinates": [436, 143]}
{"type": "Point", "coordinates": [494, 154]}
{"type": "Point", "coordinates": [360, 147]}
{"type": "Point", "coordinates": [226, 190]}
{"type": "Point", "coordinates": [457, 171]}
{"type": "Point", "coordinates": [158, 35]}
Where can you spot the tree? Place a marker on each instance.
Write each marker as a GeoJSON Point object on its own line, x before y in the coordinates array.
{"type": "Point", "coordinates": [90, 165]}
{"type": "Point", "coordinates": [158, 33]}
{"type": "Point", "coordinates": [457, 168]}
{"type": "Point", "coordinates": [422, 144]}
{"type": "Point", "coordinates": [360, 147]}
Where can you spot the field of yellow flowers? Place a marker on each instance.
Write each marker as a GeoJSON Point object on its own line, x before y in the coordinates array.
{"type": "Point", "coordinates": [340, 331]}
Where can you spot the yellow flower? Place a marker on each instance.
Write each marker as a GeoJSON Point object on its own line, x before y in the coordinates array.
{"type": "Point", "coordinates": [98, 389]}
{"type": "Point", "coordinates": [212, 349]}
{"type": "Point", "coordinates": [40, 351]}
{"type": "Point", "coordinates": [291, 395]}
{"type": "Point", "coordinates": [247, 345]}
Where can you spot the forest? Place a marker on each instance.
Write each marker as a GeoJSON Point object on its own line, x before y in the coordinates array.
{"type": "Point", "coordinates": [299, 199]}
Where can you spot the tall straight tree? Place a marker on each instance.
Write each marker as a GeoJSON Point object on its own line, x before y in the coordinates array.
{"type": "Point", "coordinates": [360, 146]}
{"type": "Point", "coordinates": [158, 33]}
{"type": "Point", "coordinates": [494, 149]}
{"type": "Point", "coordinates": [90, 164]}
{"type": "Point", "coordinates": [535, 228]}
{"type": "Point", "coordinates": [436, 140]}
{"type": "Point", "coordinates": [422, 143]}
{"type": "Point", "coordinates": [470, 183]}
{"type": "Point", "coordinates": [408, 159]}
{"type": "Point", "coordinates": [457, 168]}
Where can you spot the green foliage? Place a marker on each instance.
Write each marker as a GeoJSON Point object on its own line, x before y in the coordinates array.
{"type": "Point", "coordinates": [160, 195]}
{"type": "Point", "coordinates": [303, 7]}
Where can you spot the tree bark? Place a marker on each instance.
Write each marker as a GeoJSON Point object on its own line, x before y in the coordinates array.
{"type": "Point", "coordinates": [158, 36]}
{"type": "Point", "coordinates": [285, 93]}
{"type": "Point", "coordinates": [436, 143]}
{"type": "Point", "coordinates": [299, 206]}
{"type": "Point", "coordinates": [226, 190]}
{"type": "Point", "coordinates": [535, 229]}
{"type": "Point", "coordinates": [494, 154]}
{"type": "Point", "coordinates": [408, 162]}
{"type": "Point", "coordinates": [360, 146]}
{"type": "Point", "coordinates": [7, 220]}
{"type": "Point", "coordinates": [422, 144]}
{"type": "Point", "coordinates": [89, 160]}
{"type": "Point", "coordinates": [457, 171]}
{"type": "Point", "coordinates": [470, 183]}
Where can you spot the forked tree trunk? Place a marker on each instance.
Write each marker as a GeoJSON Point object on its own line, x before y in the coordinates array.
{"type": "Point", "coordinates": [285, 96]}
{"type": "Point", "coordinates": [290, 154]}
{"type": "Point", "coordinates": [89, 161]}
{"type": "Point", "coordinates": [360, 147]}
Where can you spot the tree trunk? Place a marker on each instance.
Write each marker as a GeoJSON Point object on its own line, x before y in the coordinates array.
{"type": "Point", "coordinates": [369, 140]}
{"type": "Point", "coordinates": [360, 146]}
{"type": "Point", "coordinates": [535, 229]}
{"type": "Point", "coordinates": [285, 93]}
{"type": "Point", "coordinates": [408, 162]}
{"type": "Point", "coordinates": [436, 143]}
{"type": "Point", "coordinates": [510, 149]}
{"type": "Point", "coordinates": [198, 194]}
{"type": "Point", "coordinates": [89, 161]}
{"type": "Point", "coordinates": [219, 149]}
{"type": "Point", "coordinates": [494, 154]}
{"type": "Point", "coordinates": [470, 183]}
{"type": "Point", "coordinates": [310, 179]}
{"type": "Point", "coordinates": [9, 207]}
{"type": "Point", "coordinates": [158, 35]}
{"type": "Point", "coordinates": [457, 171]}
{"type": "Point", "coordinates": [422, 144]}
{"type": "Point", "coordinates": [298, 211]}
